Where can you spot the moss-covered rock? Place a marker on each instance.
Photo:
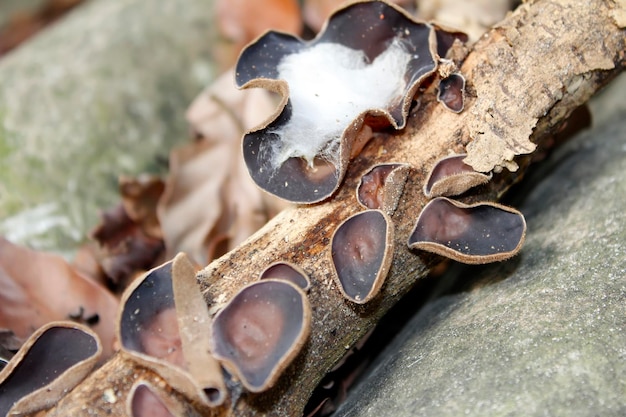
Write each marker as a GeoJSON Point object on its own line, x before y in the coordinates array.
{"type": "Point", "coordinates": [99, 94]}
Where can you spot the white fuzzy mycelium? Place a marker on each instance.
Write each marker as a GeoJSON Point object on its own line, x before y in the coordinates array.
{"type": "Point", "coordinates": [329, 86]}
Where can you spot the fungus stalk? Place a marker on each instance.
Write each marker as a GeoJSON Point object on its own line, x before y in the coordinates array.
{"type": "Point", "coordinates": [525, 83]}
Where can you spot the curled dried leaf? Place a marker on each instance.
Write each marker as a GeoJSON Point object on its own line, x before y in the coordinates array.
{"type": "Point", "coordinates": [125, 248]}
{"type": "Point", "coordinates": [473, 17]}
{"type": "Point", "coordinates": [38, 288]}
{"type": "Point", "coordinates": [210, 204]}
{"type": "Point", "coordinates": [241, 21]}
{"type": "Point", "coordinates": [140, 196]}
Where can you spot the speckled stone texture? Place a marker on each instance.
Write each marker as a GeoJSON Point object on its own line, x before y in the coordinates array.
{"type": "Point", "coordinates": [100, 93]}
{"type": "Point", "coordinates": [541, 335]}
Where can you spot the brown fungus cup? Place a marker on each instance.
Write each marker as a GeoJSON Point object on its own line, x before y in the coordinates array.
{"type": "Point", "coordinates": [363, 68]}
{"type": "Point", "coordinates": [147, 322]}
{"type": "Point", "coordinates": [146, 400]}
{"type": "Point", "coordinates": [50, 363]}
{"type": "Point", "coordinates": [446, 38]}
{"type": "Point", "coordinates": [288, 272]}
{"type": "Point", "coordinates": [473, 234]}
{"type": "Point", "coordinates": [156, 331]}
{"type": "Point", "coordinates": [452, 92]}
{"type": "Point", "coordinates": [260, 331]}
{"type": "Point", "coordinates": [5, 357]}
{"type": "Point", "coordinates": [361, 253]}
{"type": "Point", "coordinates": [381, 187]}
{"type": "Point", "coordinates": [451, 176]}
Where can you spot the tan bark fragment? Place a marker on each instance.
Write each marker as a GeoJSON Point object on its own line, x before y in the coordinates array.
{"type": "Point", "coordinates": [522, 69]}
{"type": "Point", "coordinates": [619, 13]}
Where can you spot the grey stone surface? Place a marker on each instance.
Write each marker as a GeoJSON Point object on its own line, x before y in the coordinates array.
{"type": "Point", "coordinates": [541, 335]}
{"type": "Point", "coordinates": [610, 101]}
{"type": "Point", "coordinates": [101, 93]}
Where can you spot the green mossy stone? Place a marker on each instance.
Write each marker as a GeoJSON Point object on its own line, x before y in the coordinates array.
{"type": "Point", "coordinates": [99, 94]}
{"type": "Point", "coordinates": [541, 335]}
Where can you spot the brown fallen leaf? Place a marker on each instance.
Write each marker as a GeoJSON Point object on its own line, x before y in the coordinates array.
{"type": "Point", "coordinates": [473, 17]}
{"type": "Point", "coordinates": [129, 235]}
{"type": "Point", "coordinates": [37, 288]}
{"type": "Point", "coordinates": [210, 203]}
{"type": "Point", "coordinates": [140, 196]}
{"type": "Point", "coordinates": [240, 21]}
{"type": "Point", "coordinates": [86, 261]}
{"type": "Point", "coordinates": [9, 341]}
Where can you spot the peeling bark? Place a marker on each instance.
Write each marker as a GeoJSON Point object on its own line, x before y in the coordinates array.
{"type": "Point", "coordinates": [531, 61]}
{"type": "Point", "coordinates": [524, 79]}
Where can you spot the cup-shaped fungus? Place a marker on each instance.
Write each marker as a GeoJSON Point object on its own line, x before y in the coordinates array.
{"type": "Point", "coordinates": [452, 92]}
{"type": "Point", "coordinates": [149, 332]}
{"type": "Point", "coordinates": [145, 400]}
{"type": "Point", "coordinates": [288, 272]}
{"type": "Point", "coordinates": [446, 37]}
{"type": "Point", "coordinates": [361, 253]}
{"type": "Point", "coordinates": [473, 234]}
{"type": "Point", "coordinates": [147, 324]}
{"type": "Point", "coordinates": [451, 176]}
{"type": "Point", "coordinates": [364, 67]}
{"type": "Point", "coordinates": [260, 331]}
{"type": "Point", "coordinates": [382, 186]}
{"type": "Point", "coordinates": [51, 362]}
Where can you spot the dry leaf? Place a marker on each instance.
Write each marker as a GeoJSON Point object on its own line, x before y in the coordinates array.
{"type": "Point", "coordinates": [38, 288]}
{"type": "Point", "coordinates": [241, 21]}
{"type": "Point", "coordinates": [140, 197]}
{"type": "Point", "coordinates": [9, 341]}
{"type": "Point", "coordinates": [125, 249]}
{"type": "Point", "coordinates": [315, 12]}
{"type": "Point", "coordinates": [86, 261]}
{"type": "Point", "coordinates": [473, 17]}
{"type": "Point", "coordinates": [129, 234]}
{"type": "Point", "coordinates": [210, 204]}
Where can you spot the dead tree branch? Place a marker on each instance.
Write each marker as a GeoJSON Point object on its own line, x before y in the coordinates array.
{"type": "Point", "coordinates": [525, 77]}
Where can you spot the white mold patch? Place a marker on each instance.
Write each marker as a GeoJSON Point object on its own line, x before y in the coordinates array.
{"type": "Point", "coordinates": [330, 85]}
